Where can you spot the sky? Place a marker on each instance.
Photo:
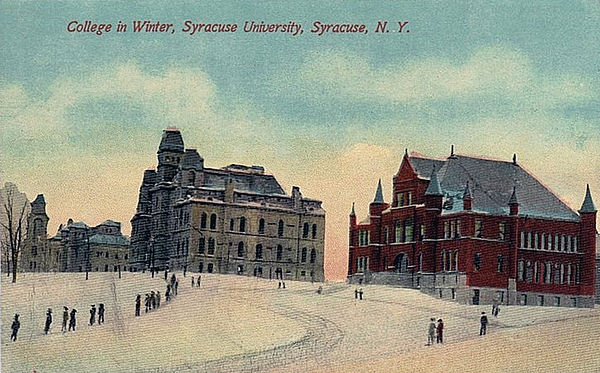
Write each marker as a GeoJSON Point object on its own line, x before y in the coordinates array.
{"type": "Point", "coordinates": [81, 115]}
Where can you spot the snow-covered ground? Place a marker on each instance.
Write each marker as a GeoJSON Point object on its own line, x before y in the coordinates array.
{"type": "Point", "coordinates": [235, 323]}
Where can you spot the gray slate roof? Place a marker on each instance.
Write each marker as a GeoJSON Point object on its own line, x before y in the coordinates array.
{"type": "Point", "coordinates": [246, 181]}
{"type": "Point", "coordinates": [379, 194]}
{"type": "Point", "coordinates": [491, 184]}
{"type": "Point", "coordinates": [108, 239]}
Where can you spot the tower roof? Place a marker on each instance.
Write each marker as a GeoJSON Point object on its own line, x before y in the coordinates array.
{"type": "Point", "coordinates": [171, 141]}
{"type": "Point", "coordinates": [588, 203]}
{"type": "Point", "coordinates": [434, 188]}
{"type": "Point", "coordinates": [378, 194]}
{"type": "Point", "coordinates": [192, 160]}
{"type": "Point", "coordinates": [352, 213]}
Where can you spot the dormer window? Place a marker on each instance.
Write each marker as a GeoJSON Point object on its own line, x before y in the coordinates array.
{"type": "Point", "coordinates": [400, 199]}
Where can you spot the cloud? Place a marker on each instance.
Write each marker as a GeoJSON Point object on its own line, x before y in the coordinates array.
{"type": "Point", "coordinates": [490, 73]}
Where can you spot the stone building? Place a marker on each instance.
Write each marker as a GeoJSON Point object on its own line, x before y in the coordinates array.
{"type": "Point", "coordinates": [235, 219]}
{"type": "Point", "coordinates": [38, 255]}
{"type": "Point", "coordinates": [102, 248]}
{"type": "Point", "coordinates": [475, 230]}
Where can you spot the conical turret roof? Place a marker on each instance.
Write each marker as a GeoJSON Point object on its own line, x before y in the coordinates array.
{"type": "Point", "coordinates": [588, 203]}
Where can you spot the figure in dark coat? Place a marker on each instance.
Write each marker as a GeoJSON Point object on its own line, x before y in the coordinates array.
{"type": "Point", "coordinates": [48, 321]}
{"type": "Point", "coordinates": [484, 322]}
{"type": "Point", "coordinates": [101, 314]}
{"type": "Point", "coordinates": [166, 274]}
{"type": "Point", "coordinates": [157, 299]}
{"type": "Point", "coordinates": [198, 282]}
{"type": "Point", "coordinates": [440, 331]}
{"type": "Point", "coordinates": [65, 319]}
{"type": "Point", "coordinates": [168, 293]}
{"type": "Point", "coordinates": [72, 320]}
{"type": "Point", "coordinates": [192, 281]}
{"type": "Point", "coordinates": [152, 300]}
{"type": "Point", "coordinates": [176, 286]}
{"type": "Point", "coordinates": [138, 304]}
{"type": "Point", "coordinates": [93, 314]}
{"type": "Point", "coordinates": [16, 324]}
{"type": "Point", "coordinates": [147, 302]}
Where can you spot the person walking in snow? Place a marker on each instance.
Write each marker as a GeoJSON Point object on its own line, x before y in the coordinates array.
{"type": "Point", "coordinates": [192, 281]}
{"type": "Point", "coordinates": [147, 302]}
{"type": "Point", "coordinates": [176, 286]}
{"type": "Point", "coordinates": [198, 282]}
{"type": "Point", "coordinates": [48, 320]}
{"type": "Point", "coordinates": [138, 303]}
{"type": "Point", "coordinates": [168, 293]}
{"type": "Point", "coordinates": [484, 321]}
{"type": "Point", "coordinates": [172, 279]}
{"type": "Point", "coordinates": [440, 331]}
{"type": "Point", "coordinates": [101, 314]}
{"type": "Point", "coordinates": [157, 299]}
{"type": "Point", "coordinates": [166, 272]}
{"type": "Point", "coordinates": [431, 332]}
{"type": "Point", "coordinates": [16, 324]}
{"type": "Point", "coordinates": [93, 314]}
{"type": "Point", "coordinates": [72, 320]}
{"type": "Point", "coordinates": [152, 300]}
{"type": "Point", "coordinates": [65, 319]}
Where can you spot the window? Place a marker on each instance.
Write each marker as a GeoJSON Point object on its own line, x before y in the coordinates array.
{"type": "Point", "coordinates": [259, 251]}
{"type": "Point", "coordinates": [456, 260]}
{"type": "Point", "coordinates": [536, 272]}
{"type": "Point", "coordinates": [543, 241]}
{"type": "Point", "coordinates": [362, 263]}
{"type": "Point", "coordinates": [398, 231]}
{"type": "Point", "coordinates": [203, 221]}
{"type": "Point", "coordinates": [305, 230]}
{"type": "Point", "coordinates": [313, 256]}
{"type": "Point", "coordinates": [409, 198]}
{"type": "Point", "coordinates": [34, 251]}
{"type": "Point", "coordinates": [562, 274]}
{"type": "Point", "coordinates": [550, 241]}
{"type": "Point", "coordinates": [458, 228]}
{"type": "Point", "coordinates": [210, 267]}
{"type": "Point", "coordinates": [547, 273]}
{"type": "Point", "coordinates": [523, 300]}
{"type": "Point", "coordinates": [213, 221]}
{"type": "Point", "coordinates": [314, 231]}
{"type": "Point", "coordinates": [443, 264]}
{"type": "Point", "coordinates": [243, 224]}
{"type": "Point", "coordinates": [562, 242]}
{"type": "Point", "coordinates": [477, 261]}
{"type": "Point", "coordinates": [536, 241]}
{"type": "Point", "coordinates": [279, 252]}
{"type": "Point", "coordinates": [478, 228]}
{"type": "Point", "coordinates": [501, 231]}
{"type": "Point", "coordinates": [420, 262]}
{"type": "Point", "coordinates": [232, 224]}
{"type": "Point", "coordinates": [557, 301]}
{"type": "Point", "coordinates": [528, 244]}
{"type": "Point", "coordinates": [201, 245]}
{"type": "Point", "coordinates": [422, 231]}
{"type": "Point", "coordinates": [408, 230]}
{"type": "Point", "coordinates": [211, 246]}
{"type": "Point", "coordinates": [240, 250]}
{"type": "Point", "coordinates": [261, 226]}
{"type": "Point", "coordinates": [386, 234]}
{"type": "Point", "coordinates": [363, 238]}
{"type": "Point", "coordinates": [540, 300]}
{"type": "Point", "coordinates": [575, 244]}
{"type": "Point", "coordinates": [400, 199]}
{"type": "Point", "coordinates": [569, 243]}
{"type": "Point", "coordinates": [280, 228]}
{"type": "Point", "coordinates": [303, 256]}
{"type": "Point", "coordinates": [500, 267]}
{"type": "Point", "coordinates": [556, 242]}
{"type": "Point", "coordinates": [446, 229]}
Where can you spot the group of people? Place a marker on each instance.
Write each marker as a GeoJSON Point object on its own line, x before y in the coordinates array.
{"type": "Point", "coordinates": [435, 332]}
{"type": "Point", "coordinates": [152, 301]}
{"type": "Point", "coordinates": [358, 293]}
{"type": "Point", "coordinates": [69, 318]}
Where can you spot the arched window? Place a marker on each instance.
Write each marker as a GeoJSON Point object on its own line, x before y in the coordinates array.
{"type": "Point", "coordinates": [211, 246]}
{"type": "Point", "coordinates": [201, 245]}
{"type": "Point", "coordinates": [305, 231]}
{"type": "Point", "coordinates": [203, 220]}
{"type": "Point", "coordinates": [456, 260]}
{"type": "Point", "coordinates": [280, 228]}
{"type": "Point", "coordinates": [261, 226]}
{"type": "Point", "coordinates": [398, 231]}
{"type": "Point", "coordinates": [213, 221]}
{"type": "Point", "coordinates": [303, 257]}
{"type": "Point", "coordinates": [240, 252]}
{"type": "Point", "coordinates": [279, 252]}
{"type": "Point", "coordinates": [259, 251]}
{"type": "Point", "coordinates": [314, 231]}
{"type": "Point", "coordinates": [242, 224]}
{"type": "Point", "coordinates": [313, 256]}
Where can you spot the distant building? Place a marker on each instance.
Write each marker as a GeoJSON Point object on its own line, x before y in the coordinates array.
{"type": "Point", "coordinates": [235, 219]}
{"type": "Point", "coordinates": [102, 248]}
{"type": "Point", "coordinates": [76, 246]}
{"type": "Point", "coordinates": [475, 230]}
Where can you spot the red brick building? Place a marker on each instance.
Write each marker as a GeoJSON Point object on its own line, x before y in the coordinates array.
{"type": "Point", "coordinates": [476, 230]}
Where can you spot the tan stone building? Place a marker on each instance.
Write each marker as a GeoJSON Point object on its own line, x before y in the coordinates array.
{"type": "Point", "coordinates": [236, 219]}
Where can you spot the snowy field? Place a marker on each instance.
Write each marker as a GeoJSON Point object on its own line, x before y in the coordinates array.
{"type": "Point", "coordinates": [235, 324]}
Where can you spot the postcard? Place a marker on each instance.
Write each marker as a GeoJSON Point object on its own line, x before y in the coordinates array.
{"type": "Point", "coordinates": [299, 186]}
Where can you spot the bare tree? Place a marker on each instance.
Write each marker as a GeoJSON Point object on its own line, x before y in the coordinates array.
{"type": "Point", "coordinates": [14, 228]}
{"type": "Point", "coordinates": [5, 251]}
